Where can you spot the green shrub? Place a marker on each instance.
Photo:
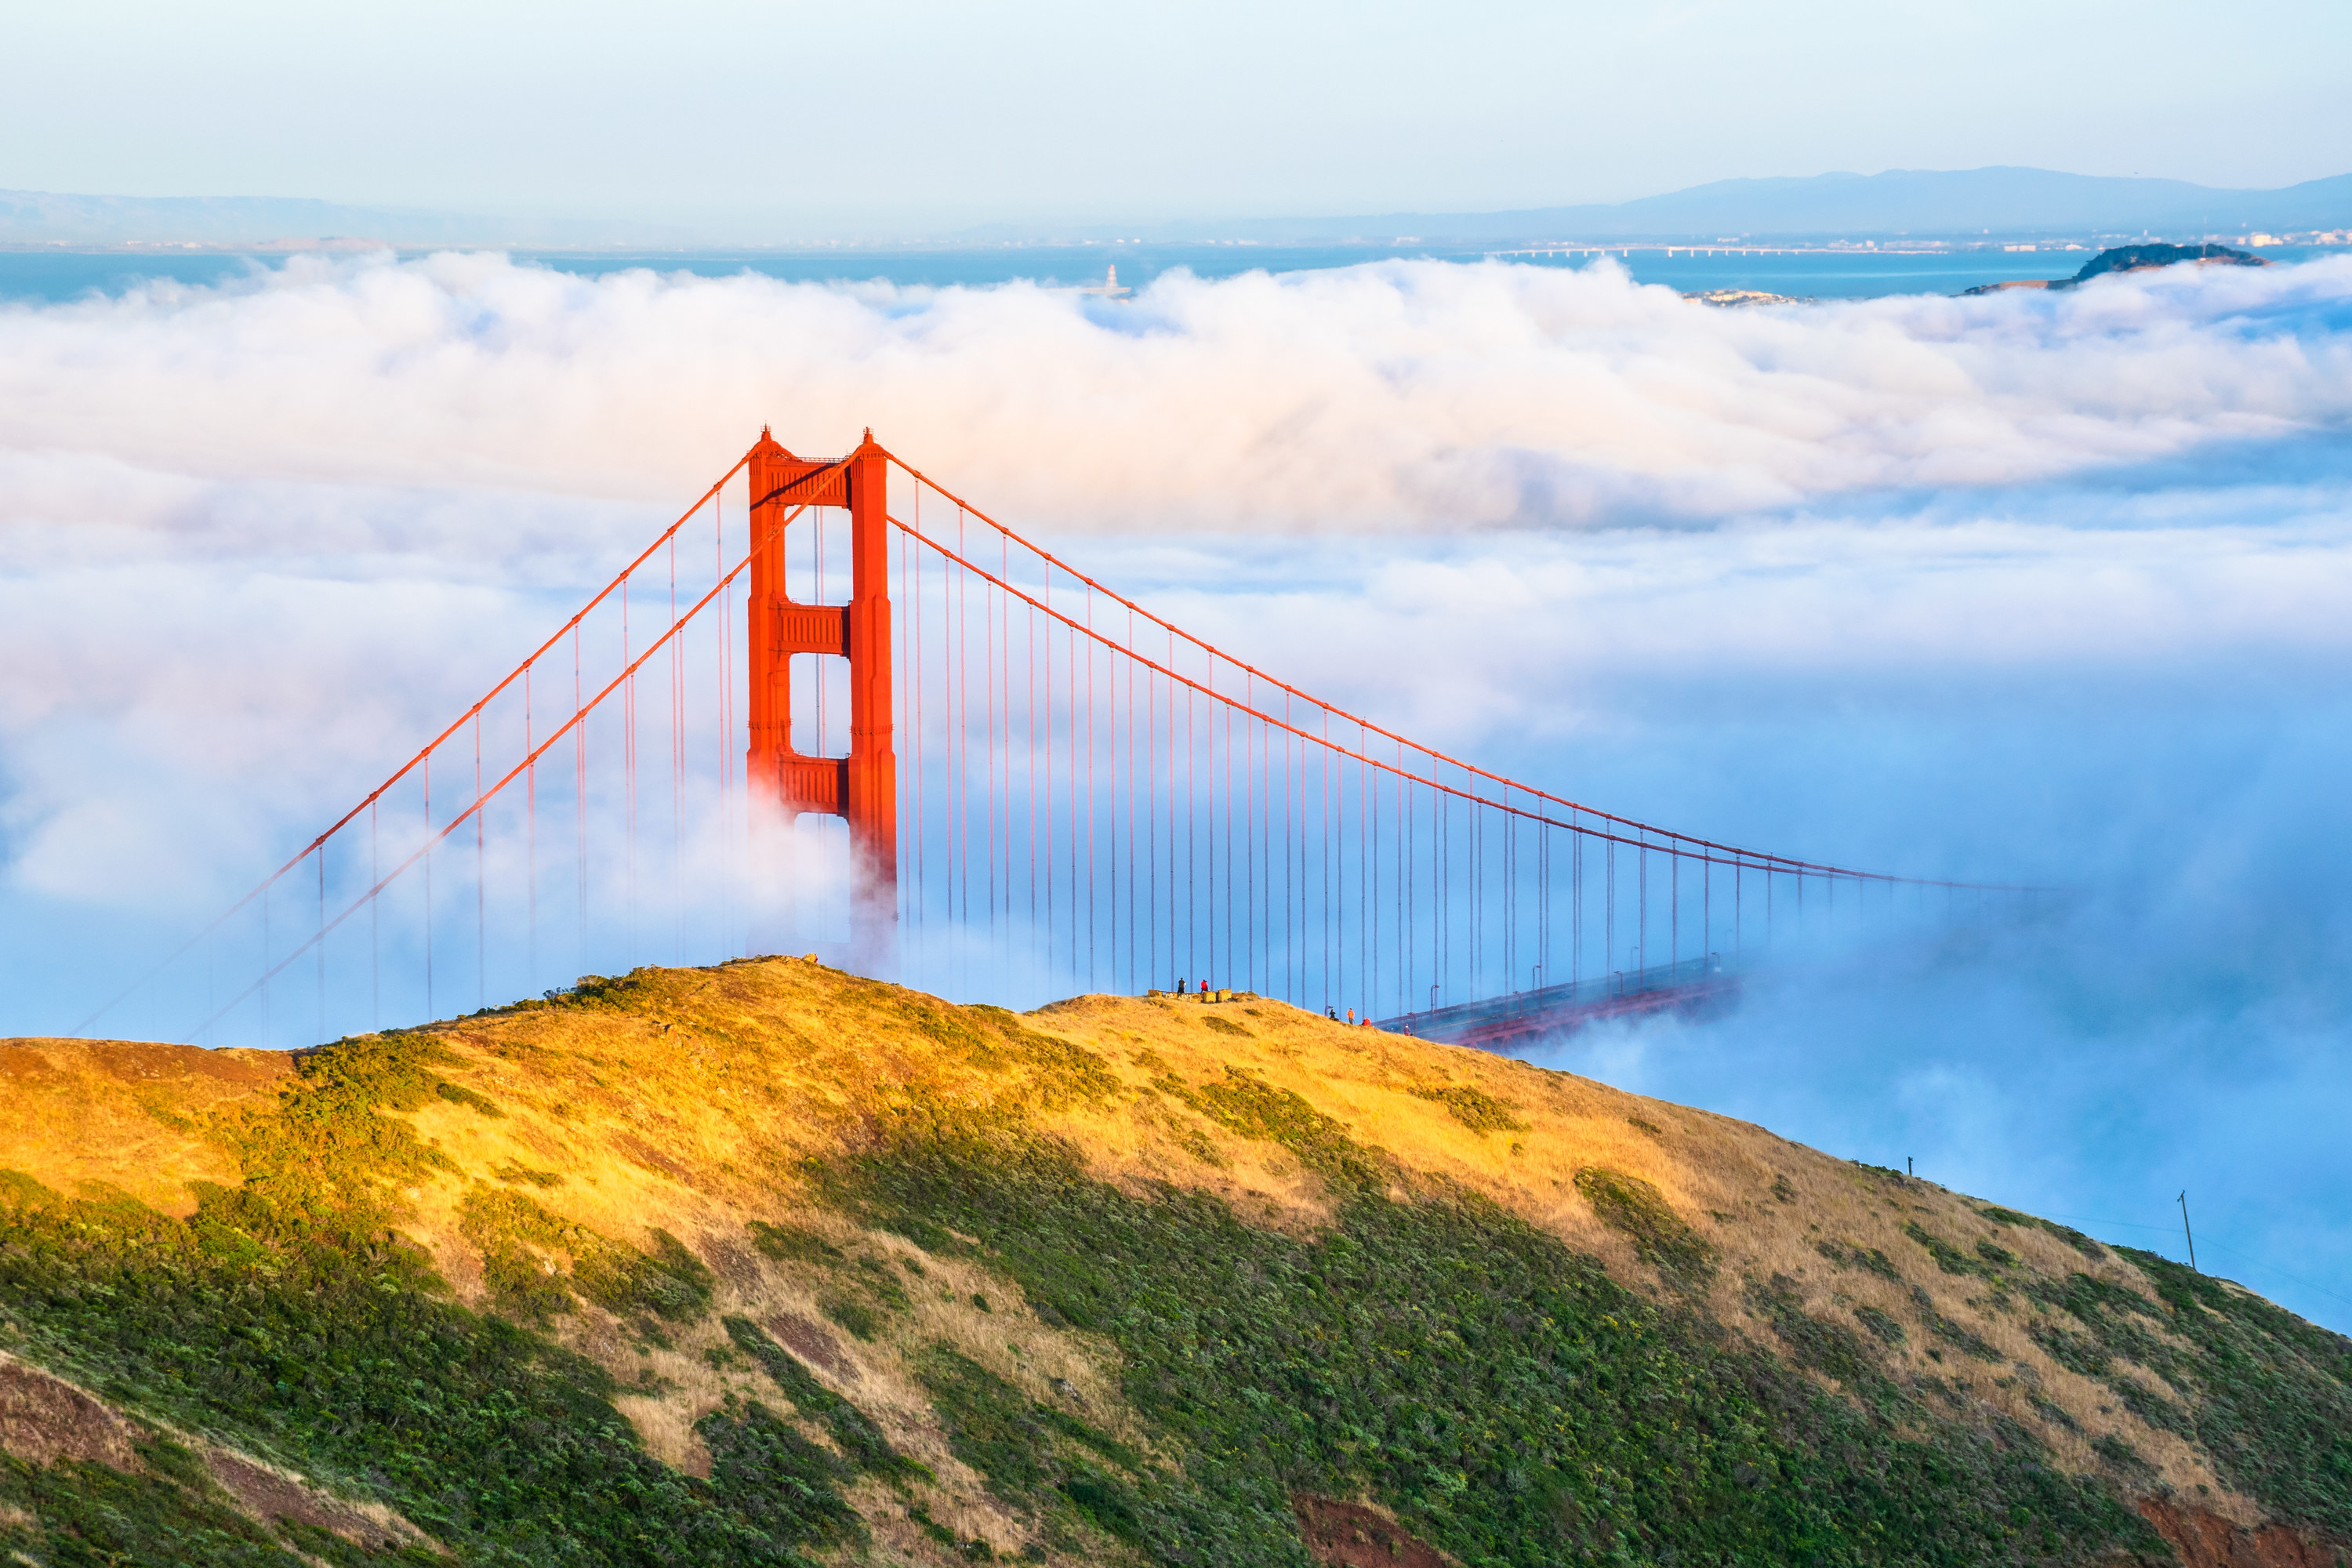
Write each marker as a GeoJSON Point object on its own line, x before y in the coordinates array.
{"type": "Point", "coordinates": [1246, 1103]}
{"type": "Point", "coordinates": [1508, 1400]}
{"type": "Point", "coordinates": [1948, 1258]}
{"type": "Point", "coordinates": [169, 1513]}
{"type": "Point", "coordinates": [1829, 1347]}
{"type": "Point", "coordinates": [1884, 1325]}
{"type": "Point", "coordinates": [1043, 1460]}
{"type": "Point", "coordinates": [851, 1428]}
{"type": "Point", "coordinates": [1869, 1260]}
{"type": "Point", "coordinates": [458, 1094]}
{"type": "Point", "coordinates": [1474, 1107]}
{"type": "Point", "coordinates": [790, 1243]}
{"type": "Point", "coordinates": [1958, 1335]}
{"type": "Point", "coordinates": [523, 1245]}
{"type": "Point", "coordinates": [862, 1321]}
{"type": "Point", "coordinates": [340, 1352]}
{"type": "Point", "coordinates": [1661, 1238]}
{"type": "Point", "coordinates": [2066, 1233]}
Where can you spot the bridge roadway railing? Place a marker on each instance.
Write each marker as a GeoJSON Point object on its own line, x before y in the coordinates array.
{"type": "Point", "coordinates": [1526, 1013]}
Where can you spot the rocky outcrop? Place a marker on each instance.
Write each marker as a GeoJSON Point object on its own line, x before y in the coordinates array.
{"type": "Point", "coordinates": [1356, 1535]}
{"type": "Point", "coordinates": [2131, 258]}
{"type": "Point", "coordinates": [2206, 1540]}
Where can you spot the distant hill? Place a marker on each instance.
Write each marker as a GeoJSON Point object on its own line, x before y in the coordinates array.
{"type": "Point", "coordinates": [32, 216]}
{"type": "Point", "coordinates": [2130, 259]}
{"type": "Point", "coordinates": [765, 1264]}
{"type": "Point", "coordinates": [1921, 203]}
{"type": "Point", "coordinates": [1973, 204]}
{"type": "Point", "coordinates": [39, 218]}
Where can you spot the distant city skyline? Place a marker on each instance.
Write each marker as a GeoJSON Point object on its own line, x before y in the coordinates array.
{"type": "Point", "coordinates": [917, 115]}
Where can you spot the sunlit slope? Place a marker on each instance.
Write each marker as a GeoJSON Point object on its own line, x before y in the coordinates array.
{"type": "Point", "coordinates": [765, 1263]}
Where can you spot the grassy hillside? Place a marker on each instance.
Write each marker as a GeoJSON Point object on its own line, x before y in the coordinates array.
{"type": "Point", "coordinates": [767, 1264]}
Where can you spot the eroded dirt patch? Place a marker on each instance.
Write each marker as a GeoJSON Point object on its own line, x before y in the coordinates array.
{"type": "Point", "coordinates": [271, 1498]}
{"type": "Point", "coordinates": [1360, 1536]}
{"type": "Point", "coordinates": [43, 1419]}
{"type": "Point", "coordinates": [810, 1342]}
{"type": "Point", "coordinates": [2206, 1540]}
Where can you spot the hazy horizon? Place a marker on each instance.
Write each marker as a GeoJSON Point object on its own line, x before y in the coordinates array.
{"type": "Point", "coordinates": [943, 118]}
{"type": "Point", "coordinates": [2000, 202]}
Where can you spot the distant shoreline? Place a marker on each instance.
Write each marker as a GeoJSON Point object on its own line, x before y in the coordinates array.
{"type": "Point", "coordinates": [56, 275]}
{"type": "Point", "coordinates": [1518, 247]}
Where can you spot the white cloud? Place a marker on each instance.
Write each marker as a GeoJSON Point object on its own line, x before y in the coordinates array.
{"type": "Point", "coordinates": [1416, 395]}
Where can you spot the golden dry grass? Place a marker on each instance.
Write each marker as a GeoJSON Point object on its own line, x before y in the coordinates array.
{"type": "Point", "coordinates": [694, 1110]}
{"type": "Point", "coordinates": [123, 1113]}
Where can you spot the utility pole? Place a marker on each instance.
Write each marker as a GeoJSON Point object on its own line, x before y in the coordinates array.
{"type": "Point", "coordinates": [2186, 1233]}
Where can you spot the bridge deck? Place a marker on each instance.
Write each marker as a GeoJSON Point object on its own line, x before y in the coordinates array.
{"type": "Point", "coordinates": [1693, 987]}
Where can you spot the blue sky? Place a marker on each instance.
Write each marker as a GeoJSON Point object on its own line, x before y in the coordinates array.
{"type": "Point", "coordinates": [794, 119]}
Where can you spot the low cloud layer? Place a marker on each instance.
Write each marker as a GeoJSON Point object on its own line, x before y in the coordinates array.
{"type": "Point", "coordinates": [2049, 588]}
{"type": "Point", "coordinates": [1400, 396]}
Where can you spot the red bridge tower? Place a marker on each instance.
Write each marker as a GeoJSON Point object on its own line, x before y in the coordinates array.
{"type": "Point", "coordinates": [862, 787]}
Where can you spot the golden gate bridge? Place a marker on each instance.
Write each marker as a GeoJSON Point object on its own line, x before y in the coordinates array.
{"type": "Point", "coordinates": [958, 760]}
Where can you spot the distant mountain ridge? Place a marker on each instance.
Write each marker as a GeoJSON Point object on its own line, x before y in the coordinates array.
{"type": "Point", "coordinates": [47, 217]}
{"type": "Point", "coordinates": [1922, 202]}
{"type": "Point", "coordinates": [1948, 204]}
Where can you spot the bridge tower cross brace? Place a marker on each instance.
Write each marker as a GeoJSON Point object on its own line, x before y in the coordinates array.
{"type": "Point", "coordinates": [862, 788]}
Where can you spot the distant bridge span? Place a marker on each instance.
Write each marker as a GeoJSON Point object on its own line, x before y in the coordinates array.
{"type": "Point", "coordinates": [1695, 987]}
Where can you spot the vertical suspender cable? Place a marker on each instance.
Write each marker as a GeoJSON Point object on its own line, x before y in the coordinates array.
{"type": "Point", "coordinates": [481, 920]}
{"type": "Point", "coordinates": [959, 744]}
{"type": "Point", "coordinates": [579, 799]}
{"type": "Point", "coordinates": [429, 845]}
{"type": "Point", "coordinates": [1131, 975]}
{"type": "Point", "coordinates": [1403, 880]}
{"type": "Point", "coordinates": [988, 756]}
{"type": "Point", "coordinates": [375, 950]}
{"type": "Point", "coordinates": [1090, 805]}
{"type": "Point", "coordinates": [1641, 911]}
{"type": "Point", "coordinates": [1576, 907]}
{"type": "Point", "coordinates": [1225, 975]}
{"type": "Point", "coordinates": [319, 941]}
{"type": "Point", "coordinates": [1248, 948]}
{"type": "Point", "coordinates": [912, 637]}
{"type": "Point", "coordinates": [724, 639]}
{"type": "Point", "coordinates": [628, 783]}
{"type": "Point", "coordinates": [677, 766]}
{"type": "Point", "coordinates": [530, 841]}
